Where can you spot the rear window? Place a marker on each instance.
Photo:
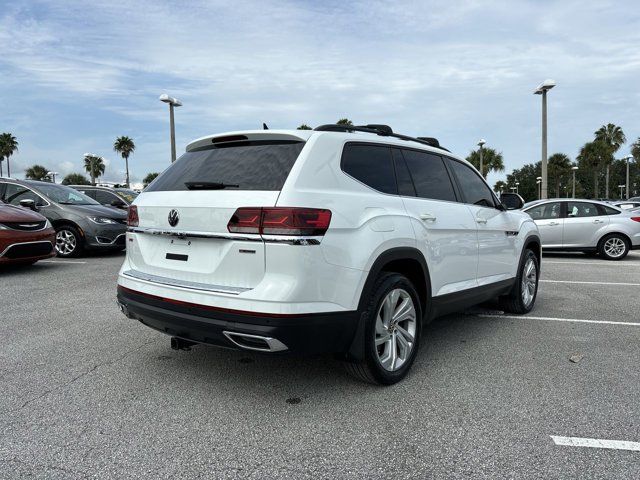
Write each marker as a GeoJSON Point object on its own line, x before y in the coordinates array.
{"type": "Point", "coordinates": [252, 165]}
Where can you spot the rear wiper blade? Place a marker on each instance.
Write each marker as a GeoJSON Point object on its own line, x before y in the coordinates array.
{"type": "Point", "coordinates": [209, 185]}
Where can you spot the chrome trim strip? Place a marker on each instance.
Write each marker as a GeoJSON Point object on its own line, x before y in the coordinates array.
{"type": "Point", "coordinates": [111, 242]}
{"type": "Point", "coordinates": [173, 282]}
{"type": "Point", "coordinates": [274, 344]}
{"type": "Point", "coordinates": [195, 234]}
{"type": "Point", "coordinates": [25, 243]}
{"type": "Point", "coordinates": [229, 236]}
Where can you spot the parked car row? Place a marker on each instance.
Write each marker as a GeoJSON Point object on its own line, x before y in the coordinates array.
{"type": "Point", "coordinates": [79, 222]}
{"type": "Point", "coordinates": [588, 226]}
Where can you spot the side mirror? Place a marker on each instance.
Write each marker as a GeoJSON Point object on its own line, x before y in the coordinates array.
{"type": "Point", "coordinates": [511, 201]}
{"type": "Point", "coordinates": [28, 203]}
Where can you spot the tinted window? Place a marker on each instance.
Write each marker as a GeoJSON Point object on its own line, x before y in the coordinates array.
{"type": "Point", "coordinates": [104, 197]}
{"type": "Point", "coordinates": [64, 195]}
{"type": "Point", "coordinates": [88, 193]}
{"type": "Point", "coordinates": [257, 165]}
{"type": "Point", "coordinates": [14, 193]}
{"type": "Point", "coordinates": [610, 211]}
{"type": "Point", "coordinates": [545, 211]}
{"type": "Point", "coordinates": [581, 209]}
{"type": "Point", "coordinates": [405, 184]}
{"type": "Point", "coordinates": [429, 175]}
{"type": "Point", "coordinates": [371, 164]}
{"type": "Point", "coordinates": [473, 188]}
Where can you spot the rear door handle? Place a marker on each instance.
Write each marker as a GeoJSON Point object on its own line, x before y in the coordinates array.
{"type": "Point", "coordinates": [427, 217]}
{"type": "Point", "coordinates": [598, 221]}
{"type": "Point", "coordinates": [481, 220]}
{"type": "Point", "coordinates": [552, 224]}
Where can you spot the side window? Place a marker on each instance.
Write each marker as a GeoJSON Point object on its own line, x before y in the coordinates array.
{"type": "Point", "coordinates": [545, 211]}
{"type": "Point", "coordinates": [581, 209]}
{"type": "Point", "coordinates": [609, 210]}
{"type": "Point", "coordinates": [14, 193]}
{"type": "Point", "coordinates": [89, 193]}
{"type": "Point", "coordinates": [429, 175]}
{"type": "Point", "coordinates": [473, 187]}
{"type": "Point", "coordinates": [104, 198]}
{"type": "Point", "coordinates": [370, 164]}
{"type": "Point", "coordinates": [405, 184]}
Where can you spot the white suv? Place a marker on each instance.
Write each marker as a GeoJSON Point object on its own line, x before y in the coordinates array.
{"type": "Point", "coordinates": [340, 240]}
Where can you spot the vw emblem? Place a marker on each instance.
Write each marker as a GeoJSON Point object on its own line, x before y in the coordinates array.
{"type": "Point", "coordinates": [174, 218]}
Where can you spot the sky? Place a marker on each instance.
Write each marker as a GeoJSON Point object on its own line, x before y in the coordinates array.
{"type": "Point", "coordinates": [74, 75]}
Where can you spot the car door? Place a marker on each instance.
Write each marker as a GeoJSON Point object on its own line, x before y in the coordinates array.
{"type": "Point", "coordinates": [582, 223]}
{"type": "Point", "coordinates": [548, 218]}
{"type": "Point", "coordinates": [497, 228]}
{"type": "Point", "coordinates": [444, 228]}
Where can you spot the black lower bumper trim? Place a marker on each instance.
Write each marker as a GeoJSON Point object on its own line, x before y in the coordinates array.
{"type": "Point", "coordinates": [304, 334]}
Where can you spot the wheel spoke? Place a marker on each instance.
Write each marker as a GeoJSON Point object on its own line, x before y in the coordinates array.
{"type": "Point", "coordinates": [404, 334]}
{"type": "Point", "coordinates": [404, 311]}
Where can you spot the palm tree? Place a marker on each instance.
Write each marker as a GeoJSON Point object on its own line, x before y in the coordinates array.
{"type": "Point", "coordinates": [36, 172]}
{"type": "Point", "coordinates": [125, 147]}
{"type": "Point", "coordinates": [613, 137]}
{"type": "Point", "coordinates": [94, 166]}
{"type": "Point", "coordinates": [491, 160]}
{"type": "Point", "coordinates": [304, 126]}
{"type": "Point", "coordinates": [75, 179]}
{"type": "Point", "coordinates": [635, 150]}
{"type": "Point", "coordinates": [344, 121]}
{"type": "Point", "coordinates": [559, 165]}
{"type": "Point", "coordinates": [592, 155]}
{"type": "Point", "coordinates": [500, 186]}
{"type": "Point", "coordinates": [8, 146]}
{"type": "Point", "coordinates": [149, 178]}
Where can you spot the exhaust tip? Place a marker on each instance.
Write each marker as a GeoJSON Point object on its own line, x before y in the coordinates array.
{"type": "Point", "coordinates": [181, 344]}
{"type": "Point", "coordinates": [257, 343]}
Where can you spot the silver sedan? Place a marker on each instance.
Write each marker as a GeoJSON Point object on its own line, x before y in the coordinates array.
{"type": "Point", "coordinates": [586, 225]}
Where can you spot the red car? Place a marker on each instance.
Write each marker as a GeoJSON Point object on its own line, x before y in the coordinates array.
{"type": "Point", "coordinates": [25, 236]}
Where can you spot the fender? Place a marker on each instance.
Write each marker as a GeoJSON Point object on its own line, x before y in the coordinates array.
{"type": "Point", "coordinates": [356, 350]}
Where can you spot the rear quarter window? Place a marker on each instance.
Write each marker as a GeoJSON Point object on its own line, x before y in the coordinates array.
{"type": "Point", "coordinates": [371, 165]}
{"type": "Point", "coordinates": [252, 165]}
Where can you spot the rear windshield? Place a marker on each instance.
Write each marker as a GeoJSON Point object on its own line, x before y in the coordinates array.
{"type": "Point", "coordinates": [252, 165]}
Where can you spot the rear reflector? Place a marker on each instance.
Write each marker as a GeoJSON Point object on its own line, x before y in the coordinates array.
{"type": "Point", "coordinates": [635, 219]}
{"type": "Point", "coordinates": [280, 221]}
{"type": "Point", "coordinates": [132, 217]}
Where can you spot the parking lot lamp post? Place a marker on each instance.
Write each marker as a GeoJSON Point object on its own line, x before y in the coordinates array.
{"type": "Point", "coordinates": [513, 189]}
{"type": "Point", "coordinates": [542, 89]}
{"type": "Point", "coordinates": [621, 187]}
{"type": "Point", "coordinates": [52, 175]}
{"type": "Point", "coordinates": [628, 158]}
{"type": "Point", "coordinates": [173, 102]}
{"type": "Point", "coordinates": [539, 182]}
{"type": "Point", "coordinates": [481, 144]}
{"type": "Point", "coordinates": [573, 171]}
{"type": "Point", "coordinates": [517, 185]}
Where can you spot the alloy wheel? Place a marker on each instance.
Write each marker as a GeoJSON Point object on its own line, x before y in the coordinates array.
{"type": "Point", "coordinates": [614, 247]}
{"type": "Point", "coordinates": [529, 281]}
{"type": "Point", "coordinates": [66, 242]}
{"type": "Point", "coordinates": [396, 325]}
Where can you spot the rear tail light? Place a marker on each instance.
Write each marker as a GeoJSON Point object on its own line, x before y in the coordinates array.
{"type": "Point", "coordinates": [280, 221]}
{"type": "Point", "coordinates": [132, 217]}
{"type": "Point", "coordinates": [635, 219]}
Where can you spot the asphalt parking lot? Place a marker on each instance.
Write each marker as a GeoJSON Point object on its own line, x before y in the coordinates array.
{"type": "Point", "coordinates": [89, 393]}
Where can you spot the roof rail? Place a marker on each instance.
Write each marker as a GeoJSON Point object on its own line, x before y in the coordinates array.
{"type": "Point", "coordinates": [382, 130]}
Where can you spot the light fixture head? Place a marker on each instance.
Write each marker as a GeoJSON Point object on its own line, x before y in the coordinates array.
{"type": "Point", "coordinates": [481, 142]}
{"type": "Point", "coordinates": [170, 100]}
{"type": "Point", "coordinates": [574, 168]}
{"type": "Point", "coordinates": [545, 86]}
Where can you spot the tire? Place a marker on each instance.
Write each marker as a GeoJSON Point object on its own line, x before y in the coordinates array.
{"type": "Point", "coordinates": [379, 366]}
{"type": "Point", "coordinates": [519, 301]}
{"type": "Point", "coordinates": [613, 247]}
{"type": "Point", "coordinates": [69, 242]}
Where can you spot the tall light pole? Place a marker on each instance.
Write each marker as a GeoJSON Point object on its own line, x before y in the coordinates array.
{"type": "Point", "coordinates": [573, 170]}
{"type": "Point", "coordinates": [538, 182]}
{"type": "Point", "coordinates": [628, 158]}
{"type": "Point", "coordinates": [173, 102]}
{"type": "Point", "coordinates": [481, 144]}
{"type": "Point", "coordinates": [542, 89]}
{"type": "Point", "coordinates": [621, 187]}
{"type": "Point", "coordinates": [52, 175]}
{"type": "Point", "coordinates": [517, 189]}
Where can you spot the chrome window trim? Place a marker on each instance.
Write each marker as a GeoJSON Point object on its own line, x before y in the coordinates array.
{"type": "Point", "coordinates": [172, 282]}
{"type": "Point", "coordinates": [25, 243]}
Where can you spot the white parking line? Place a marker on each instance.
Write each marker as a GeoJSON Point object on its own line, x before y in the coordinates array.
{"type": "Point", "coordinates": [60, 261]}
{"type": "Point", "coordinates": [596, 443]}
{"type": "Point", "coordinates": [592, 283]}
{"type": "Point", "coordinates": [555, 319]}
{"type": "Point", "coordinates": [603, 263]}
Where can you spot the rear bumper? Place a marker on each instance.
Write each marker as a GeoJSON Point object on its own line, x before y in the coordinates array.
{"type": "Point", "coordinates": [330, 332]}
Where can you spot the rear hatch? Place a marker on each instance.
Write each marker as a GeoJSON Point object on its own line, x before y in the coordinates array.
{"type": "Point", "coordinates": [182, 237]}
